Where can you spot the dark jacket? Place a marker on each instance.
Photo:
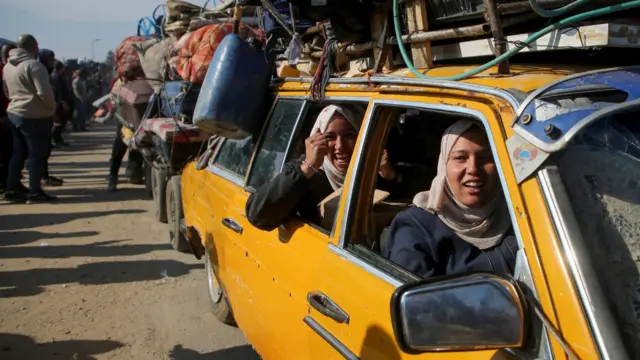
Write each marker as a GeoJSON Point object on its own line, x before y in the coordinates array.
{"type": "Point", "coordinates": [422, 244]}
{"type": "Point", "coordinates": [4, 101]}
{"type": "Point", "coordinates": [61, 88]}
{"type": "Point", "coordinates": [290, 192]}
{"type": "Point", "coordinates": [62, 93]}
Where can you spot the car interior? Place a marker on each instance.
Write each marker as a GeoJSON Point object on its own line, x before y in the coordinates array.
{"type": "Point", "coordinates": [413, 145]}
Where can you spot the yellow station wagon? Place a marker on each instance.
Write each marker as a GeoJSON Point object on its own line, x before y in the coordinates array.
{"type": "Point", "coordinates": [566, 148]}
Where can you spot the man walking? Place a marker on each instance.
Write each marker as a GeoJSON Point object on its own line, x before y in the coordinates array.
{"type": "Point", "coordinates": [80, 93]}
{"type": "Point", "coordinates": [63, 98]}
{"type": "Point", "coordinates": [31, 109]}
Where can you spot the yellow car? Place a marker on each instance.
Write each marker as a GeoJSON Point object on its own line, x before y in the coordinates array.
{"type": "Point", "coordinates": [567, 159]}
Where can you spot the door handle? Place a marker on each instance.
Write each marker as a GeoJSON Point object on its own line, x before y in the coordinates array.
{"type": "Point", "coordinates": [327, 307]}
{"type": "Point", "coordinates": [232, 224]}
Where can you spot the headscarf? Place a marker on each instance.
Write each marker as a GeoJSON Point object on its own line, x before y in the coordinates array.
{"type": "Point", "coordinates": [335, 176]}
{"type": "Point", "coordinates": [482, 227]}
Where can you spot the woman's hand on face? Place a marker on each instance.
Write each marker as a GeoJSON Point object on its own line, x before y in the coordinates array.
{"type": "Point", "coordinates": [316, 148]}
{"type": "Point", "coordinates": [386, 170]}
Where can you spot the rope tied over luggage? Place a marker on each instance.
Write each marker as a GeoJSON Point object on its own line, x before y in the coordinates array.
{"type": "Point", "coordinates": [327, 65]}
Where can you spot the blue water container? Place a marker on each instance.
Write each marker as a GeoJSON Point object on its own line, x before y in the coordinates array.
{"type": "Point", "coordinates": [231, 101]}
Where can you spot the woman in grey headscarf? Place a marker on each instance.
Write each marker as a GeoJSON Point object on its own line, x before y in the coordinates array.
{"type": "Point", "coordinates": [461, 224]}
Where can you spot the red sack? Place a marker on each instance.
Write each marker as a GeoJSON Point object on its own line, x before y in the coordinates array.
{"type": "Point", "coordinates": [127, 59]}
{"type": "Point", "coordinates": [196, 55]}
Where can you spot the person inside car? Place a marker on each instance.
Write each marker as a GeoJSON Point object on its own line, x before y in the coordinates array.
{"type": "Point", "coordinates": [305, 182]}
{"type": "Point", "coordinates": [462, 223]}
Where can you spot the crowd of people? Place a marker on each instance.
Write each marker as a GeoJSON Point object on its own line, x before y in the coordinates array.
{"type": "Point", "coordinates": [41, 96]}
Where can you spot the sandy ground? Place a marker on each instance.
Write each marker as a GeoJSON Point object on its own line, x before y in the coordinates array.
{"type": "Point", "coordinates": [93, 277]}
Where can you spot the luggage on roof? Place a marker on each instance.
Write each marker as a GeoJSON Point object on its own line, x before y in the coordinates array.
{"type": "Point", "coordinates": [196, 55]}
{"type": "Point", "coordinates": [232, 98]}
{"type": "Point", "coordinates": [128, 60]}
{"type": "Point", "coordinates": [132, 99]}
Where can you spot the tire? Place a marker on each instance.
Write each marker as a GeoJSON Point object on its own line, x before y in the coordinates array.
{"type": "Point", "coordinates": [159, 186]}
{"type": "Point", "coordinates": [174, 214]}
{"type": "Point", "coordinates": [220, 306]}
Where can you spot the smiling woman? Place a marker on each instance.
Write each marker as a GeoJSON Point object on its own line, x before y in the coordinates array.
{"type": "Point", "coordinates": [461, 224]}
{"type": "Point", "coordinates": [317, 173]}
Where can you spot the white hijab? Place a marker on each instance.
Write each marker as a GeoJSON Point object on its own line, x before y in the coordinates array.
{"type": "Point", "coordinates": [482, 227]}
{"type": "Point", "coordinates": [335, 176]}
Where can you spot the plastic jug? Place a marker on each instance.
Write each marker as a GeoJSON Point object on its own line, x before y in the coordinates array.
{"type": "Point", "coordinates": [232, 97]}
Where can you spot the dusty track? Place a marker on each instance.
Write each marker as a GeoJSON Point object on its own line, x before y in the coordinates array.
{"type": "Point", "coordinates": [93, 276]}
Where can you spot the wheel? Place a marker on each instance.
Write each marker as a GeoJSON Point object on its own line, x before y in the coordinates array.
{"type": "Point", "coordinates": [174, 214]}
{"type": "Point", "coordinates": [219, 304]}
{"type": "Point", "coordinates": [159, 186]}
{"type": "Point", "coordinates": [148, 179]}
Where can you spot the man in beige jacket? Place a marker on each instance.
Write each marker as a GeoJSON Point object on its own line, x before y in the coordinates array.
{"type": "Point", "coordinates": [31, 108]}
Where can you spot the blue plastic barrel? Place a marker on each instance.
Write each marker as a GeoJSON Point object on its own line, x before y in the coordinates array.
{"type": "Point", "coordinates": [231, 101]}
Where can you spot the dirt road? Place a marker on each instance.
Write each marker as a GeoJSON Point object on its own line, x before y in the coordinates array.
{"type": "Point", "coordinates": [93, 276]}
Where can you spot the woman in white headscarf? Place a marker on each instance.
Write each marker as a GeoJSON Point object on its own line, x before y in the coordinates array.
{"type": "Point", "coordinates": [461, 224]}
{"type": "Point", "coordinates": [305, 182]}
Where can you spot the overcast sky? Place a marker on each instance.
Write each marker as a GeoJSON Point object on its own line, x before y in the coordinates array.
{"type": "Point", "coordinates": [68, 26]}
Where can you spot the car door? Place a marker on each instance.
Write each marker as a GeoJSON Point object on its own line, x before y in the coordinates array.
{"type": "Point", "coordinates": [279, 265]}
{"type": "Point", "coordinates": [356, 284]}
{"type": "Point", "coordinates": [270, 268]}
{"type": "Point", "coordinates": [222, 179]}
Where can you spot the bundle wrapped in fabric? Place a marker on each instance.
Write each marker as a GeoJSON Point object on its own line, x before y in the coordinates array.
{"type": "Point", "coordinates": [128, 60]}
{"type": "Point", "coordinates": [195, 56]}
{"type": "Point", "coordinates": [154, 59]}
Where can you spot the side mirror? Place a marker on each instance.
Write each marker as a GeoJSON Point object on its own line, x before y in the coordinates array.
{"type": "Point", "coordinates": [472, 312]}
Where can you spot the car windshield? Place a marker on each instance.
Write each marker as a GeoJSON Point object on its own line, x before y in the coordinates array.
{"type": "Point", "coordinates": [600, 171]}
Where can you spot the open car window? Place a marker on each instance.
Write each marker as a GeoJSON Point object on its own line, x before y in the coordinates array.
{"type": "Point", "coordinates": [275, 140]}
{"type": "Point", "coordinates": [411, 137]}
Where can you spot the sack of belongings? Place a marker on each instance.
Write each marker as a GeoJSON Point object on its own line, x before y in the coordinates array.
{"type": "Point", "coordinates": [154, 56]}
{"type": "Point", "coordinates": [195, 56]}
{"type": "Point", "coordinates": [127, 59]}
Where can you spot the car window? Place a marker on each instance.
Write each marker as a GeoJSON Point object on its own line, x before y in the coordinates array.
{"type": "Point", "coordinates": [234, 156]}
{"type": "Point", "coordinates": [328, 206]}
{"type": "Point", "coordinates": [601, 174]}
{"type": "Point", "coordinates": [411, 149]}
{"type": "Point", "coordinates": [275, 141]}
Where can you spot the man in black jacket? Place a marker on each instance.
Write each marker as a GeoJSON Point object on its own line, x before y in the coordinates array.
{"type": "Point", "coordinates": [63, 99]}
{"type": "Point", "coordinates": [48, 59]}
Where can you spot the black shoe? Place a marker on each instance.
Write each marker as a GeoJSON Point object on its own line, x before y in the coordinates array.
{"type": "Point", "coordinates": [14, 197]}
{"type": "Point", "coordinates": [113, 184]}
{"type": "Point", "coordinates": [53, 181]}
{"type": "Point", "coordinates": [39, 197]}
{"type": "Point", "coordinates": [23, 189]}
